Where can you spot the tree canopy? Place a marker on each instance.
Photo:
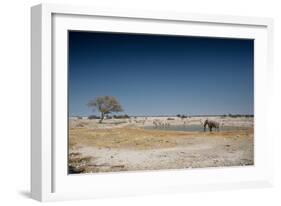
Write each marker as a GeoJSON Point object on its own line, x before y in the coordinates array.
{"type": "Point", "coordinates": [105, 105]}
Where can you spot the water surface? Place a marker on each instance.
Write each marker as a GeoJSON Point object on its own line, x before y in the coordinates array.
{"type": "Point", "coordinates": [192, 128]}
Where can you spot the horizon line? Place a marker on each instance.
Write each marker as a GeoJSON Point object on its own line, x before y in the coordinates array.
{"type": "Point", "coordinates": [167, 115]}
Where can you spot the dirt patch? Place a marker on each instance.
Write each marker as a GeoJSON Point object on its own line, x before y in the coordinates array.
{"type": "Point", "coordinates": [129, 149]}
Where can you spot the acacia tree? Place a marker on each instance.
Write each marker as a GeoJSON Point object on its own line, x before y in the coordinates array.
{"type": "Point", "coordinates": [105, 105]}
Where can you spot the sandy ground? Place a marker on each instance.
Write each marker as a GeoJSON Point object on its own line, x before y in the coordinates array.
{"type": "Point", "coordinates": [122, 145]}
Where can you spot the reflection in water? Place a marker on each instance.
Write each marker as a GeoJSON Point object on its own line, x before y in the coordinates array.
{"type": "Point", "coordinates": [192, 128]}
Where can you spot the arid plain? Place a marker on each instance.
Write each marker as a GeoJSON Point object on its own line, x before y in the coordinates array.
{"type": "Point", "coordinates": [154, 143]}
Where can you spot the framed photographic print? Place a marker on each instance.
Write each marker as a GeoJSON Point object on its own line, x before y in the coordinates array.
{"type": "Point", "coordinates": [137, 102]}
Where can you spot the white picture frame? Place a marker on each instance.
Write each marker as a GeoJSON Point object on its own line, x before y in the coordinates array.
{"type": "Point", "coordinates": [49, 179]}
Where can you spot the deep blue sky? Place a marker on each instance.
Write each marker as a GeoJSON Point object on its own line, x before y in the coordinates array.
{"type": "Point", "coordinates": [161, 75]}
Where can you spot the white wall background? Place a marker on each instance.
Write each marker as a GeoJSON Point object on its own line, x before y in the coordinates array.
{"type": "Point", "coordinates": [15, 101]}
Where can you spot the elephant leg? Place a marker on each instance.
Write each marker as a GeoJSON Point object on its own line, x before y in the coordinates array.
{"type": "Point", "coordinates": [210, 128]}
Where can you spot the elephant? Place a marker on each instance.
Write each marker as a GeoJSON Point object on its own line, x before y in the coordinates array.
{"type": "Point", "coordinates": [211, 124]}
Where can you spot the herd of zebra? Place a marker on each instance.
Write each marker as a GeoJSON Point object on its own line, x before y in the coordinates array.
{"type": "Point", "coordinates": [210, 123]}
{"type": "Point", "coordinates": [157, 123]}
{"type": "Point", "coordinates": [163, 123]}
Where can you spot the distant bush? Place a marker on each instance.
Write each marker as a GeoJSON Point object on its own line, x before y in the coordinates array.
{"type": "Point", "coordinates": [240, 115]}
{"type": "Point", "coordinates": [79, 117]}
{"type": "Point", "coordinates": [108, 117]}
{"type": "Point", "coordinates": [170, 118]}
{"type": "Point", "coordinates": [125, 116]}
{"type": "Point", "coordinates": [93, 117]}
{"type": "Point", "coordinates": [181, 116]}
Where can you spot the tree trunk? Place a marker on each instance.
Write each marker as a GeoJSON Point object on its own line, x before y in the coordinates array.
{"type": "Point", "coordinates": [101, 118]}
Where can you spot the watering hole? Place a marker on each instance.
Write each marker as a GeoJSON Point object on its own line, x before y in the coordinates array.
{"type": "Point", "coordinates": [192, 128]}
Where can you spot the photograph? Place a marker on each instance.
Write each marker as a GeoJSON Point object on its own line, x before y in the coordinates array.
{"type": "Point", "coordinates": [150, 102]}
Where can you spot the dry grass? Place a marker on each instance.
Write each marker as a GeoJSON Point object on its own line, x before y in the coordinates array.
{"type": "Point", "coordinates": [139, 138]}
